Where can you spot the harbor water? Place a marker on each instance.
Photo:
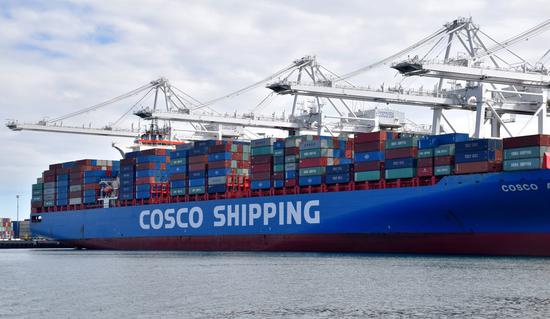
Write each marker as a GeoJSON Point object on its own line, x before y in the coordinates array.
{"type": "Point", "coordinates": [66, 283]}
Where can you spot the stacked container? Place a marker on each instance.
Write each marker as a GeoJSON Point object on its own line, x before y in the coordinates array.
{"type": "Point", "coordinates": [49, 187]}
{"type": "Point", "coordinates": [279, 164]}
{"type": "Point", "coordinates": [151, 173]}
{"type": "Point", "coordinates": [127, 177]}
{"type": "Point", "coordinates": [292, 158]}
{"type": "Point", "coordinates": [436, 154]}
{"type": "Point", "coordinates": [526, 152]}
{"type": "Point", "coordinates": [62, 187]}
{"type": "Point", "coordinates": [6, 230]}
{"type": "Point", "coordinates": [401, 157]}
{"type": "Point", "coordinates": [197, 167]}
{"type": "Point", "coordinates": [228, 164]}
{"type": "Point", "coordinates": [369, 155]}
{"type": "Point", "coordinates": [178, 169]}
{"type": "Point", "coordinates": [478, 156]}
{"type": "Point", "coordinates": [92, 178]}
{"type": "Point", "coordinates": [261, 163]}
{"type": "Point", "coordinates": [37, 199]}
{"type": "Point", "coordinates": [317, 154]}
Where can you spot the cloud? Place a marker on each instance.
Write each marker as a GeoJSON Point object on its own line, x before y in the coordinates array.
{"type": "Point", "coordinates": [60, 56]}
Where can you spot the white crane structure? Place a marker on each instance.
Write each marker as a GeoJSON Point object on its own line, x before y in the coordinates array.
{"type": "Point", "coordinates": [525, 92]}
{"type": "Point", "coordinates": [310, 119]}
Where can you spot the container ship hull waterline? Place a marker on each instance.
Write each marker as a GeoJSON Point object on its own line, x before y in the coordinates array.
{"type": "Point", "coordinates": [494, 212]}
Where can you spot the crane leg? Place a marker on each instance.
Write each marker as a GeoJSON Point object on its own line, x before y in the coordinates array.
{"type": "Point", "coordinates": [480, 119]}
{"type": "Point", "coordinates": [542, 119]}
{"type": "Point", "coordinates": [495, 127]}
{"type": "Point", "coordinates": [436, 122]}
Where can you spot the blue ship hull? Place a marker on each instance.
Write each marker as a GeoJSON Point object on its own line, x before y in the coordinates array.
{"type": "Point", "coordinates": [506, 213]}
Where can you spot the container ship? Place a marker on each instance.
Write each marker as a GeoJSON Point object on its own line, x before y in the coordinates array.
{"type": "Point", "coordinates": [378, 192]}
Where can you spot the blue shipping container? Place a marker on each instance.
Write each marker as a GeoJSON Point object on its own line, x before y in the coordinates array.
{"type": "Point", "coordinates": [338, 178]}
{"type": "Point", "coordinates": [476, 156]}
{"type": "Point", "coordinates": [261, 184]}
{"type": "Point", "coordinates": [478, 145]}
{"type": "Point", "coordinates": [369, 156]}
{"type": "Point", "coordinates": [400, 163]}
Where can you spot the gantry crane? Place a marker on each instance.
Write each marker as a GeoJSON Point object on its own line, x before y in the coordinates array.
{"type": "Point", "coordinates": [526, 94]}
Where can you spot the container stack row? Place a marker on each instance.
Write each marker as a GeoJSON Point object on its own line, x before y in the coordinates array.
{"type": "Point", "coordinates": [228, 165]}
{"type": "Point", "coordinates": [526, 152]}
{"type": "Point", "coordinates": [401, 156]}
{"type": "Point", "coordinates": [6, 229]}
{"type": "Point", "coordinates": [478, 156]}
{"type": "Point", "coordinates": [369, 155]}
{"type": "Point", "coordinates": [261, 163]}
{"type": "Point", "coordinates": [198, 165]}
{"type": "Point", "coordinates": [436, 154]}
{"type": "Point", "coordinates": [152, 173]}
{"type": "Point", "coordinates": [318, 154]}
{"type": "Point", "coordinates": [178, 169]}
{"type": "Point", "coordinates": [127, 189]}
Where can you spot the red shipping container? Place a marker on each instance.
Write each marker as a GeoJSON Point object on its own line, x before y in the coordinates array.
{"type": "Point", "coordinates": [444, 160]}
{"type": "Point", "coordinates": [219, 164]}
{"type": "Point", "coordinates": [526, 141]}
{"type": "Point", "coordinates": [90, 186]}
{"type": "Point", "coordinates": [62, 171]}
{"type": "Point", "coordinates": [292, 151]}
{"type": "Point", "coordinates": [75, 194]}
{"type": "Point", "coordinates": [477, 167]}
{"type": "Point", "coordinates": [54, 167]}
{"type": "Point", "coordinates": [278, 175]}
{"type": "Point", "coordinates": [546, 161]}
{"type": "Point", "coordinates": [401, 153]}
{"type": "Point", "coordinates": [290, 182]}
{"type": "Point", "coordinates": [369, 147]}
{"type": "Point", "coordinates": [370, 137]}
{"type": "Point", "coordinates": [261, 159]}
{"type": "Point", "coordinates": [178, 176]}
{"type": "Point", "coordinates": [219, 148]}
{"type": "Point", "coordinates": [154, 151]}
{"type": "Point", "coordinates": [127, 161]}
{"type": "Point", "coordinates": [237, 156]}
{"type": "Point", "coordinates": [261, 168]}
{"type": "Point", "coordinates": [424, 171]}
{"type": "Point", "coordinates": [150, 166]}
{"type": "Point", "coordinates": [368, 166]}
{"type": "Point", "coordinates": [49, 179]}
{"type": "Point", "coordinates": [260, 176]}
{"type": "Point", "coordinates": [314, 162]}
{"type": "Point", "coordinates": [197, 167]}
{"type": "Point", "coordinates": [146, 180]}
{"type": "Point", "coordinates": [76, 181]}
{"type": "Point", "coordinates": [425, 162]}
{"type": "Point", "coordinates": [198, 159]}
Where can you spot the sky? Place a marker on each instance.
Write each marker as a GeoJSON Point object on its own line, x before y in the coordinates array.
{"type": "Point", "coordinates": [60, 56]}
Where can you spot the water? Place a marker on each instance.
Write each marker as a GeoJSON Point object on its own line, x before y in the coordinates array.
{"type": "Point", "coordinates": [106, 284]}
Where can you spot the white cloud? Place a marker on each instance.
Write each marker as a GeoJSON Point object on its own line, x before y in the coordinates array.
{"type": "Point", "coordinates": [56, 57]}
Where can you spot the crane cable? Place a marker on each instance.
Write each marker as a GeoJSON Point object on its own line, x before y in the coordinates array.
{"type": "Point", "coordinates": [541, 27]}
{"type": "Point", "coordinates": [396, 55]}
{"type": "Point", "coordinates": [131, 108]}
{"type": "Point", "coordinates": [251, 86]}
{"type": "Point", "coordinates": [100, 105]}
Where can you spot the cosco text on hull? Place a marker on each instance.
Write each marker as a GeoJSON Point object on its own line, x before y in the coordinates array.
{"type": "Point", "coordinates": [281, 213]}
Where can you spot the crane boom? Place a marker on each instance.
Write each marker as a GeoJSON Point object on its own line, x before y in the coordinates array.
{"type": "Point", "coordinates": [14, 126]}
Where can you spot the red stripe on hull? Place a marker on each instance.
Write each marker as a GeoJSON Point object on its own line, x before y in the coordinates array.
{"type": "Point", "coordinates": [512, 244]}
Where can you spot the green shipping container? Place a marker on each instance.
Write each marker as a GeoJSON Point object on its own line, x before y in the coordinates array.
{"type": "Point", "coordinates": [263, 150]}
{"type": "Point", "coordinates": [279, 168]}
{"type": "Point", "coordinates": [196, 190]}
{"type": "Point", "coordinates": [523, 164]}
{"type": "Point", "coordinates": [402, 143]}
{"type": "Point", "coordinates": [49, 203]}
{"type": "Point", "coordinates": [367, 176]}
{"type": "Point", "coordinates": [400, 173]}
{"type": "Point", "coordinates": [429, 152]}
{"type": "Point", "coordinates": [316, 153]}
{"type": "Point", "coordinates": [525, 152]}
{"type": "Point", "coordinates": [312, 171]}
{"type": "Point", "coordinates": [37, 192]}
{"type": "Point", "coordinates": [443, 170]}
{"type": "Point", "coordinates": [291, 159]}
{"type": "Point", "coordinates": [445, 150]}
{"type": "Point", "coordinates": [178, 161]}
{"type": "Point", "coordinates": [177, 191]}
{"type": "Point", "coordinates": [37, 186]}
{"type": "Point", "coordinates": [279, 152]}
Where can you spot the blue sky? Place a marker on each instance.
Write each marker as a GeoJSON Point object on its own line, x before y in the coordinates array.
{"type": "Point", "coordinates": [59, 56]}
